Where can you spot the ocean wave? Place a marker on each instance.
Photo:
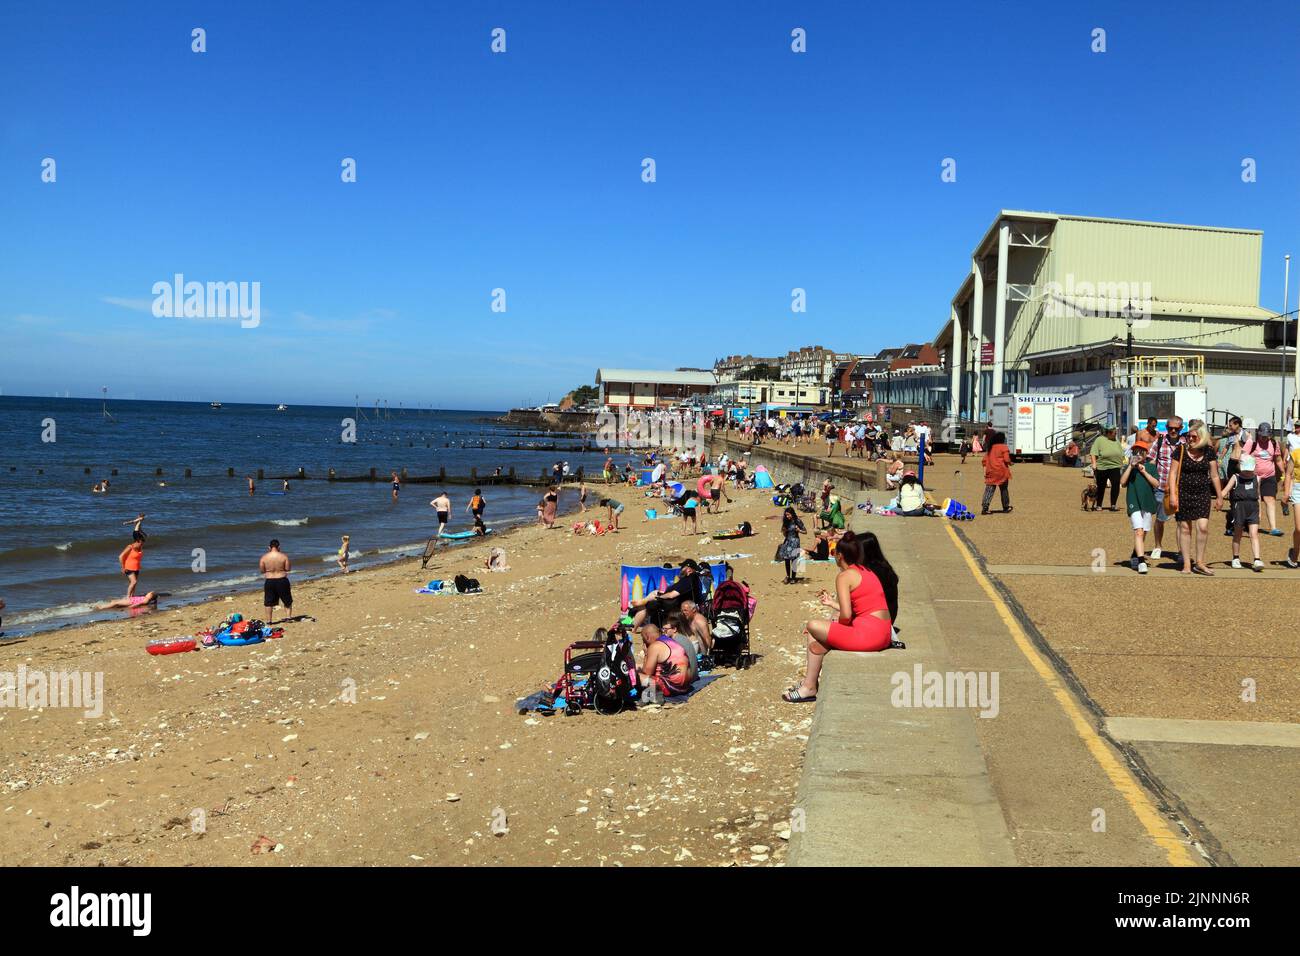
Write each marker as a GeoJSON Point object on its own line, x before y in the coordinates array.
{"type": "Point", "coordinates": [289, 522]}
{"type": "Point", "coordinates": [63, 547]}
{"type": "Point", "coordinates": [219, 584]}
{"type": "Point", "coordinates": [49, 614]}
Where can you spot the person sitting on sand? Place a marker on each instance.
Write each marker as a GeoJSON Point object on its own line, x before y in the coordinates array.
{"type": "Point", "coordinates": [833, 517]}
{"type": "Point", "coordinates": [148, 600]}
{"type": "Point", "coordinates": [863, 622]}
{"type": "Point", "coordinates": [663, 664]}
{"type": "Point", "coordinates": [675, 630]}
{"type": "Point", "coordinates": [656, 605]}
{"type": "Point", "coordinates": [821, 551]}
{"type": "Point", "coordinates": [697, 624]}
{"type": "Point", "coordinates": [497, 560]}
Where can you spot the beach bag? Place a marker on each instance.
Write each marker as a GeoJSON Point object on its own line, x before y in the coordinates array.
{"type": "Point", "coordinates": [466, 585]}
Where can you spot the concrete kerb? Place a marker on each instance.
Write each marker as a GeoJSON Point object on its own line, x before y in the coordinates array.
{"type": "Point", "coordinates": [884, 785]}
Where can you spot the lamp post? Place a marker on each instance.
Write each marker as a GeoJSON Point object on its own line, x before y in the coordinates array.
{"type": "Point", "coordinates": [1286, 295]}
{"type": "Point", "coordinates": [1128, 344]}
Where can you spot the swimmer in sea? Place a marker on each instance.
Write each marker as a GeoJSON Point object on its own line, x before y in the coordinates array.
{"type": "Point", "coordinates": [285, 487]}
{"type": "Point", "coordinates": [397, 485]}
{"type": "Point", "coordinates": [251, 486]}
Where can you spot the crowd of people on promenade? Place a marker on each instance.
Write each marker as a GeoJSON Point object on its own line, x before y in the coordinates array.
{"type": "Point", "coordinates": [848, 437]}
{"type": "Point", "coordinates": [1181, 473]}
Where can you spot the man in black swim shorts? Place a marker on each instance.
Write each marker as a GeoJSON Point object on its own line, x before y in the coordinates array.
{"type": "Point", "coordinates": [275, 567]}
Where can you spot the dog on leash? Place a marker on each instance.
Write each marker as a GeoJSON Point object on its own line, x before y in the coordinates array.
{"type": "Point", "coordinates": [1088, 498]}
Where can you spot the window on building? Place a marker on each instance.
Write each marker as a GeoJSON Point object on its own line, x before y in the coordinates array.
{"type": "Point", "coordinates": [1155, 405]}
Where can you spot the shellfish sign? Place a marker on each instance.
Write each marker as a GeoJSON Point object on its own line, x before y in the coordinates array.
{"type": "Point", "coordinates": [103, 909]}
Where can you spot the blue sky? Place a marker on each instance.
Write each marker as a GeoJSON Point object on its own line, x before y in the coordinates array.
{"type": "Point", "coordinates": [522, 171]}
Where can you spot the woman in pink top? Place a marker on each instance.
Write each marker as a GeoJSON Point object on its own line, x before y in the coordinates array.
{"type": "Point", "coordinates": [1268, 462]}
{"type": "Point", "coordinates": [863, 623]}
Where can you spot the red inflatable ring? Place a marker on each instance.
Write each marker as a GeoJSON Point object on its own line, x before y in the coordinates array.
{"type": "Point", "coordinates": [171, 645]}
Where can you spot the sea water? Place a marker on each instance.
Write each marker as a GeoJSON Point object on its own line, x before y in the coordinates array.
{"type": "Point", "coordinates": [59, 542]}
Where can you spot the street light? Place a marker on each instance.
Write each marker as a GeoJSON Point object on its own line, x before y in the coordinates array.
{"type": "Point", "coordinates": [1128, 347]}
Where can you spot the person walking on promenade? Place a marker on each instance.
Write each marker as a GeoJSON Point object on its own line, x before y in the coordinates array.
{"type": "Point", "coordinates": [1107, 462]}
{"type": "Point", "coordinates": [997, 473]}
{"type": "Point", "coordinates": [1193, 484]}
{"type": "Point", "coordinates": [1242, 492]}
{"type": "Point", "coordinates": [1292, 443]}
{"type": "Point", "coordinates": [1162, 453]}
{"type": "Point", "coordinates": [1229, 453]}
{"type": "Point", "coordinates": [1140, 481]}
{"type": "Point", "coordinates": [1291, 492]}
{"type": "Point", "coordinates": [1267, 452]}
{"type": "Point", "coordinates": [830, 439]}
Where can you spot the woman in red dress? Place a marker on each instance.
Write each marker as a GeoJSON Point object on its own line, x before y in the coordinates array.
{"type": "Point", "coordinates": [863, 623]}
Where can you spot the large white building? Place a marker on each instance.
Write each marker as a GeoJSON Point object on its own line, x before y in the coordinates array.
{"type": "Point", "coordinates": [1048, 295]}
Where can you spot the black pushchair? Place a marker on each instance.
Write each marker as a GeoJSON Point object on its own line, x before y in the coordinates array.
{"type": "Point", "coordinates": [729, 621]}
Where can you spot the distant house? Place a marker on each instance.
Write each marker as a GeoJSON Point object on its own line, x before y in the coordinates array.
{"type": "Point", "coordinates": [651, 388]}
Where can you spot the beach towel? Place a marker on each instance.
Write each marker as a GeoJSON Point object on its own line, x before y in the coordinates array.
{"type": "Point", "coordinates": [544, 702]}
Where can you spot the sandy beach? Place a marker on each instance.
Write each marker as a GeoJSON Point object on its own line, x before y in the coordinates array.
{"type": "Point", "coordinates": [200, 755]}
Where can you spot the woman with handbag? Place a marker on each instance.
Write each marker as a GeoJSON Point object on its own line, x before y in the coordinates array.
{"type": "Point", "coordinates": [1193, 484]}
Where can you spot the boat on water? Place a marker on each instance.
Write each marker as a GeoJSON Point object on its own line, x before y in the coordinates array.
{"type": "Point", "coordinates": [282, 408]}
{"type": "Point", "coordinates": [214, 404]}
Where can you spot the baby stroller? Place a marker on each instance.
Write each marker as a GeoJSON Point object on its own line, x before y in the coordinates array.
{"type": "Point", "coordinates": [729, 619]}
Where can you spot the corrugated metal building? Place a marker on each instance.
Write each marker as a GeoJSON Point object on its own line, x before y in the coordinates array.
{"type": "Point", "coordinates": [1042, 283]}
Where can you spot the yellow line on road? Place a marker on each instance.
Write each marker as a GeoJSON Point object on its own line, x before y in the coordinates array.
{"type": "Point", "coordinates": [1123, 781]}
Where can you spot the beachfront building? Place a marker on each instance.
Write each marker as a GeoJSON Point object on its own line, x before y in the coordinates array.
{"type": "Point", "coordinates": [734, 367]}
{"type": "Point", "coordinates": [770, 395]}
{"type": "Point", "coordinates": [1043, 288]}
{"type": "Point", "coordinates": [811, 364]}
{"type": "Point", "coordinates": [651, 388]}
